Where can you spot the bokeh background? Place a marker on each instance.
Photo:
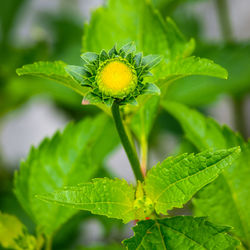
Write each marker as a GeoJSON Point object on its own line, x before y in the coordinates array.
{"type": "Point", "coordinates": [31, 108]}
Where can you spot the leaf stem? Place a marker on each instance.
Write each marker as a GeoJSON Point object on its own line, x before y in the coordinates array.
{"type": "Point", "coordinates": [131, 153]}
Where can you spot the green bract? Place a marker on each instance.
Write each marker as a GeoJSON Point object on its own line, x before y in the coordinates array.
{"type": "Point", "coordinates": [117, 75]}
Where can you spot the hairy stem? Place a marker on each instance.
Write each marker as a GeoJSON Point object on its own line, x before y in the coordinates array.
{"type": "Point", "coordinates": [130, 151]}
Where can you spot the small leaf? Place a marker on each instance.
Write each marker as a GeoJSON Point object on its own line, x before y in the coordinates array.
{"type": "Point", "coordinates": [151, 61]}
{"type": "Point", "coordinates": [150, 89]}
{"type": "Point", "coordinates": [103, 55]}
{"type": "Point", "coordinates": [79, 74]}
{"type": "Point", "coordinates": [89, 57]}
{"type": "Point", "coordinates": [179, 233]}
{"type": "Point", "coordinates": [128, 48]}
{"type": "Point", "coordinates": [53, 71]}
{"type": "Point", "coordinates": [14, 235]}
{"type": "Point", "coordinates": [173, 182]}
{"type": "Point", "coordinates": [112, 52]}
{"type": "Point", "coordinates": [92, 98]}
{"type": "Point", "coordinates": [113, 198]}
{"type": "Point", "coordinates": [138, 59]}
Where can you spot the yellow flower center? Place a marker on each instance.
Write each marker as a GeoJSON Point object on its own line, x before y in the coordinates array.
{"type": "Point", "coordinates": [116, 78]}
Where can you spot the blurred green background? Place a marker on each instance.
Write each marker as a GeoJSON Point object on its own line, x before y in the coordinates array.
{"type": "Point", "coordinates": [31, 108]}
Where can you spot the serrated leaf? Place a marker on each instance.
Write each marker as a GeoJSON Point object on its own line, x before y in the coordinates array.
{"type": "Point", "coordinates": [190, 66]}
{"type": "Point", "coordinates": [173, 182]}
{"type": "Point", "coordinates": [179, 233]}
{"type": "Point", "coordinates": [53, 71]}
{"type": "Point", "coordinates": [226, 200]}
{"type": "Point", "coordinates": [70, 157]}
{"type": "Point", "coordinates": [204, 90]}
{"type": "Point", "coordinates": [14, 235]}
{"type": "Point", "coordinates": [112, 198]}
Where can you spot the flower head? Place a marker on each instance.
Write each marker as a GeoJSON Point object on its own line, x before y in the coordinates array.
{"type": "Point", "coordinates": [117, 75]}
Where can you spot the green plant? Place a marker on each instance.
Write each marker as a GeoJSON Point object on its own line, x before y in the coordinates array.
{"type": "Point", "coordinates": [65, 173]}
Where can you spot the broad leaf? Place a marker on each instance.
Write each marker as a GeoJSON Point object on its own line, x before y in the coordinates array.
{"type": "Point", "coordinates": [14, 235]}
{"type": "Point", "coordinates": [226, 200]}
{"type": "Point", "coordinates": [112, 198]}
{"type": "Point", "coordinates": [70, 157]}
{"type": "Point", "coordinates": [54, 71]}
{"type": "Point", "coordinates": [173, 182]}
{"type": "Point", "coordinates": [190, 66]}
{"type": "Point", "coordinates": [158, 36]}
{"type": "Point", "coordinates": [196, 91]}
{"type": "Point", "coordinates": [182, 232]}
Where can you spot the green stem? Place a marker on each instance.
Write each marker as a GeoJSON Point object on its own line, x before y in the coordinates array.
{"type": "Point", "coordinates": [131, 153]}
{"type": "Point", "coordinates": [144, 154]}
{"type": "Point", "coordinates": [225, 23]}
{"type": "Point", "coordinates": [239, 116]}
{"type": "Point", "coordinates": [48, 244]}
{"type": "Point", "coordinates": [227, 33]}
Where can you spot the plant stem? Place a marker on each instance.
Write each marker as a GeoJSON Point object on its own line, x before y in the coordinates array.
{"type": "Point", "coordinates": [226, 29]}
{"type": "Point", "coordinates": [144, 154]}
{"type": "Point", "coordinates": [239, 115]}
{"type": "Point", "coordinates": [48, 244]}
{"type": "Point", "coordinates": [131, 153]}
{"type": "Point", "coordinates": [225, 24]}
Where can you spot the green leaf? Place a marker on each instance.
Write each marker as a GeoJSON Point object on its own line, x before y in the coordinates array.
{"type": "Point", "coordinates": [113, 246]}
{"type": "Point", "coordinates": [158, 36]}
{"type": "Point", "coordinates": [151, 88]}
{"type": "Point", "coordinates": [178, 233]}
{"type": "Point", "coordinates": [70, 157]}
{"type": "Point", "coordinates": [53, 71]}
{"type": "Point", "coordinates": [190, 66]}
{"type": "Point", "coordinates": [226, 200]}
{"type": "Point", "coordinates": [89, 57]}
{"type": "Point", "coordinates": [14, 235]}
{"type": "Point", "coordinates": [113, 198]}
{"type": "Point", "coordinates": [79, 74]}
{"type": "Point", "coordinates": [197, 91]}
{"type": "Point", "coordinates": [173, 182]}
